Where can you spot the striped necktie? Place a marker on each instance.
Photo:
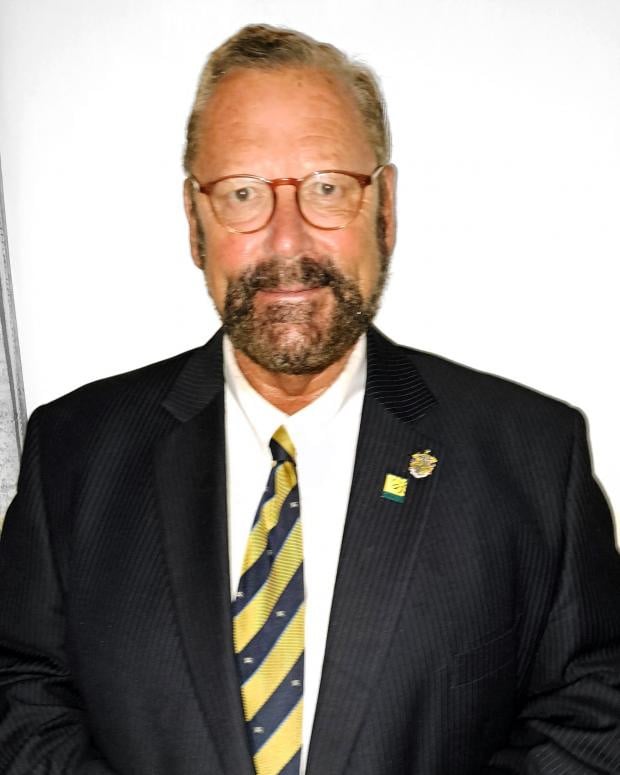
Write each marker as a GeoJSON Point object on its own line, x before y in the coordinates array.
{"type": "Point", "coordinates": [268, 620]}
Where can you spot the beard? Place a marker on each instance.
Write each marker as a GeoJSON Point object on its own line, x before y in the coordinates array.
{"type": "Point", "coordinates": [296, 337]}
{"type": "Point", "coordinates": [299, 337]}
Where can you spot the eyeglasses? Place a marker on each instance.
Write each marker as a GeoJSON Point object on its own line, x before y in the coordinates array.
{"type": "Point", "coordinates": [329, 199]}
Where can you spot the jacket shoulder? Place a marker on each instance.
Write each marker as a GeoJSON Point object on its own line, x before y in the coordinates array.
{"type": "Point", "coordinates": [472, 400]}
{"type": "Point", "coordinates": [130, 391]}
{"type": "Point", "coordinates": [125, 408]}
{"type": "Point", "coordinates": [447, 377]}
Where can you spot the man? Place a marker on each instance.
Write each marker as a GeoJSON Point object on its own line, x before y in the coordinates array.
{"type": "Point", "coordinates": [462, 619]}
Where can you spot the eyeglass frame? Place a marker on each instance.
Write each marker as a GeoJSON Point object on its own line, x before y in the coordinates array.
{"type": "Point", "coordinates": [363, 180]}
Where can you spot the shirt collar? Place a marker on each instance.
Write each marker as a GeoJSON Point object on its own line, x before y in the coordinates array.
{"type": "Point", "coordinates": [265, 419]}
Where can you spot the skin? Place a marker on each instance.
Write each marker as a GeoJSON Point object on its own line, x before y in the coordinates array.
{"type": "Point", "coordinates": [286, 123]}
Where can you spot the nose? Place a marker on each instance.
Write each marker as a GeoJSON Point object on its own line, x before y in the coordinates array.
{"type": "Point", "coordinates": [287, 233]}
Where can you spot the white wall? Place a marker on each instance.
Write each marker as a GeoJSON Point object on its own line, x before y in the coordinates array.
{"type": "Point", "coordinates": [506, 123]}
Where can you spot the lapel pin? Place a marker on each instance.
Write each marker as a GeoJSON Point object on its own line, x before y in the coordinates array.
{"type": "Point", "coordinates": [422, 464]}
{"type": "Point", "coordinates": [394, 488]}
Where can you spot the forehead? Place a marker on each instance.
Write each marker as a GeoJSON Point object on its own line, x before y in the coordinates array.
{"type": "Point", "coordinates": [299, 116]}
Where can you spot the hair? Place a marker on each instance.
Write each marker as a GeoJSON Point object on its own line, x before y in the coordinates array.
{"type": "Point", "coordinates": [262, 47]}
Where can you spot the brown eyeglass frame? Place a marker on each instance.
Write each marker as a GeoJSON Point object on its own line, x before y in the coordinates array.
{"type": "Point", "coordinates": [363, 180]}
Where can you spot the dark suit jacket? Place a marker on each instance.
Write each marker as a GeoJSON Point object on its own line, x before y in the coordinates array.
{"type": "Point", "coordinates": [475, 627]}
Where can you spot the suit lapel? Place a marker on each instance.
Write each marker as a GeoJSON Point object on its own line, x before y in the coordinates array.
{"type": "Point", "coordinates": [191, 480]}
{"type": "Point", "coordinates": [379, 549]}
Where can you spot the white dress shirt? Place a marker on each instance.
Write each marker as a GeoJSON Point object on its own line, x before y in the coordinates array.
{"type": "Point", "coordinates": [325, 437]}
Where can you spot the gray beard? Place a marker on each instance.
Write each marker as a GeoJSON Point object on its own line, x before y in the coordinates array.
{"type": "Point", "coordinates": [265, 336]}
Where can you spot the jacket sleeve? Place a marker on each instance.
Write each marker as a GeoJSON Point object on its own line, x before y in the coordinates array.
{"type": "Point", "coordinates": [43, 724]}
{"type": "Point", "coordinates": [569, 720]}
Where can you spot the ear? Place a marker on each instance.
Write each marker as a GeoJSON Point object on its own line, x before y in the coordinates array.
{"type": "Point", "coordinates": [389, 176]}
{"type": "Point", "coordinates": [192, 219]}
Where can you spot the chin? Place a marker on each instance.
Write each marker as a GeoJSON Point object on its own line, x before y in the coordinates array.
{"type": "Point", "coordinates": [294, 348]}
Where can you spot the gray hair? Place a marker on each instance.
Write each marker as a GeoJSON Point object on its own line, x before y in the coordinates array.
{"type": "Point", "coordinates": [262, 47]}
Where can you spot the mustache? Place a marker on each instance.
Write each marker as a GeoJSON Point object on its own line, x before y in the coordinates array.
{"type": "Point", "coordinates": [277, 272]}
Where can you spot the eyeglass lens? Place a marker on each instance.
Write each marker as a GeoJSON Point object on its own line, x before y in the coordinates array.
{"type": "Point", "coordinates": [329, 200]}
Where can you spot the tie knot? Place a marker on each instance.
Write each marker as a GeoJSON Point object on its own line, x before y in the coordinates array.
{"type": "Point", "coordinates": [281, 446]}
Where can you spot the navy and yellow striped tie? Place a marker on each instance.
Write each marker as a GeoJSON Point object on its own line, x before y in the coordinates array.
{"type": "Point", "coordinates": [268, 620]}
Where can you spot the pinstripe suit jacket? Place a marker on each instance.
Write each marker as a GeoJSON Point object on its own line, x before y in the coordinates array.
{"type": "Point", "coordinates": [475, 627]}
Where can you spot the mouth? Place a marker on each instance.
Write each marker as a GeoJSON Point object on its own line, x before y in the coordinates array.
{"type": "Point", "coordinates": [289, 292]}
{"type": "Point", "coordinates": [287, 305]}
{"type": "Point", "coordinates": [296, 283]}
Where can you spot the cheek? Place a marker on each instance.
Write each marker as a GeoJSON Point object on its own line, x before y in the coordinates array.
{"type": "Point", "coordinates": [217, 269]}
{"type": "Point", "coordinates": [228, 256]}
{"type": "Point", "coordinates": [358, 256]}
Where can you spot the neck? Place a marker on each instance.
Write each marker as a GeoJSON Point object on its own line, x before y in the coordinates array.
{"type": "Point", "coordinates": [289, 392]}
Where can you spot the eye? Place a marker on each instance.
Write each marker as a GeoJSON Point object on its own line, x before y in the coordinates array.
{"type": "Point", "coordinates": [327, 189]}
{"type": "Point", "coordinates": [324, 189]}
{"type": "Point", "coordinates": [242, 194]}
{"type": "Point", "coordinates": [238, 191]}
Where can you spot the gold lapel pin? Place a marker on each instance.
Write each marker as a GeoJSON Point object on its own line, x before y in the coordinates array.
{"type": "Point", "coordinates": [422, 464]}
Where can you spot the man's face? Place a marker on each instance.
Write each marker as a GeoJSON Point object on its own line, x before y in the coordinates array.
{"type": "Point", "coordinates": [292, 297]}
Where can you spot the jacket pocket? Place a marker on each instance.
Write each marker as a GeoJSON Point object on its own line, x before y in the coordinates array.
{"type": "Point", "coordinates": [481, 702]}
{"type": "Point", "coordinates": [484, 660]}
